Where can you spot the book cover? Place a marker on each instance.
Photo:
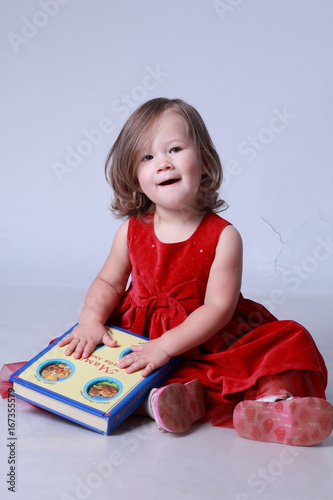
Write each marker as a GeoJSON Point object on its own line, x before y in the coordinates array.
{"type": "Point", "coordinates": [93, 392]}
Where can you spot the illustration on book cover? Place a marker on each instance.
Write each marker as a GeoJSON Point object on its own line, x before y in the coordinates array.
{"type": "Point", "coordinates": [97, 379]}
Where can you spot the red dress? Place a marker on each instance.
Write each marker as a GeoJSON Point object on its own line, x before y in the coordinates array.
{"type": "Point", "coordinates": [252, 355]}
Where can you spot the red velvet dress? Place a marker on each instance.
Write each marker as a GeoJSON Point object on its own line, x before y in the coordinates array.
{"type": "Point", "coordinates": [253, 355]}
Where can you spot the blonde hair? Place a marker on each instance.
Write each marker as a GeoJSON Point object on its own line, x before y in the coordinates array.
{"type": "Point", "coordinates": [121, 162]}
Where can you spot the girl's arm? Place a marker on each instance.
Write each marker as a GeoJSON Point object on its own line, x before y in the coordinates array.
{"type": "Point", "coordinates": [102, 297]}
{"type": "Point", "coordinates": [221, 298]}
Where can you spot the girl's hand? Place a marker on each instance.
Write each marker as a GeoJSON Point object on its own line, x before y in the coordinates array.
{"type": "Point", "coordinates": [149, 356]}
{"type": "Point", "coordinates": [84, 338]}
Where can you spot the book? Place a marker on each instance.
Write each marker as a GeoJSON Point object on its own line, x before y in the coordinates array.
{"type": "Point", "coordinates": [93, 392]}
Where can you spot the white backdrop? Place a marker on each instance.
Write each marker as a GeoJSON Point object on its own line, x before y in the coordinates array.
{"type": "Point", "coordinates": [259, 72]}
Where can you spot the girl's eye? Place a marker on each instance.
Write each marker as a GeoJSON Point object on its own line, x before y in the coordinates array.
{"type": "Point", "coordinates": [147, 158]}
{"type": "Point", "coordinates": [175, 150]}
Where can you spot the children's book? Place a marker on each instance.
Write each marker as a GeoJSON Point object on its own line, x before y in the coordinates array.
{"type": "Point", "coordinates": [93, 392]}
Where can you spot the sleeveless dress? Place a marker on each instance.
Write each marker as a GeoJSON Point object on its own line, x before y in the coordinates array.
{"type": "Point", "coordinates": [252, 355]}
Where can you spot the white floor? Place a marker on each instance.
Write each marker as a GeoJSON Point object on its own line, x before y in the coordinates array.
{"type": "Point", "coordinates": [56, 459]}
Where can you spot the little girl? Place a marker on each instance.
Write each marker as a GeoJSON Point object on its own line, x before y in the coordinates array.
{"type": "Point", "coordinates": [240, 366]}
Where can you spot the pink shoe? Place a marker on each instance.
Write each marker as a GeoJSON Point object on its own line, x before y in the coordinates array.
{"type": "Point", "coordinates": [296, 421]}
{"type": "Point", "coordinates": [176, 406]}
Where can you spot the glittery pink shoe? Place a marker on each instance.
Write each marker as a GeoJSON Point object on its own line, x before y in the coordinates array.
{"type": "Point", "coordinates": [296, 421]}
{"type": "Point", "coordinates": [176, 406]}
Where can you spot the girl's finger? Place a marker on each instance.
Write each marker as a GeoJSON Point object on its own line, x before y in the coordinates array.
{"type": "Point", "coordinates": [137, 365]}
{"type": "Point", "coordinates": [66, 340]}
{"type": "Point", "coordinates": [107, 340]}
{"type": "Point", "coordinates": [79, 349]}
{"type": "Point", "coordinates": [147, 371]}
{"type": "Point", "coordinates": [71, 347]}
{"type": "Point", "coordinates": [127, 360]}
{"type": "Point", "coordinates": [136, 348]}
{"type": "Point", "coordinates": [88, 349]}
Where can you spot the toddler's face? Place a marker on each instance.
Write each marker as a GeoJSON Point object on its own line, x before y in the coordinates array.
{"type": "Point", "coordinates": [169, 170]}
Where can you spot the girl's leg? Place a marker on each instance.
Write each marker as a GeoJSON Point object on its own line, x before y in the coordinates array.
{"type": "Point", "coordinates": [299, 383]}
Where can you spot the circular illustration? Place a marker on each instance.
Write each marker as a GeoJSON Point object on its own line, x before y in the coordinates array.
{"type": "Point", "coordinates": [99, 346]}
{"type": "Point", "coordinates": [126, 351]}
{"type": "Point", "coordinates": [55, 370]}
{"type": "Point", "coordinates": [103, 389]}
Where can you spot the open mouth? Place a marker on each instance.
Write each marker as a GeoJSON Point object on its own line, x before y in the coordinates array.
{"type": "Point", "coordinates": [168, 182]}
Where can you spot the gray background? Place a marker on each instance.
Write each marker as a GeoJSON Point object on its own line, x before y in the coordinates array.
{"type": "Point", "coordinates": [259, 72]}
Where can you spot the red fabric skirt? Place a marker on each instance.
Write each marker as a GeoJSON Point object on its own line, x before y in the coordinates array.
{"type": "Point", "coordinates": [279, 357]}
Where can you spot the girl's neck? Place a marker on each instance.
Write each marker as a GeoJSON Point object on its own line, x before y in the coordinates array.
{"type": "Point", "coordinates": [173, 227]}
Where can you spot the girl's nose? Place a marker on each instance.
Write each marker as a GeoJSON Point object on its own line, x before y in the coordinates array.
{"type": "Point", "coordinates": [164, 164]}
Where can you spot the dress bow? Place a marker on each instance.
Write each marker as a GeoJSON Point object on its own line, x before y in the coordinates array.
{"type": "Point", "coordinates": [165, 310]}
